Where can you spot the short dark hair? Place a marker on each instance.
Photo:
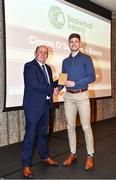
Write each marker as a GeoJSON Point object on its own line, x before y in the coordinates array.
{"type": "Point", "coordinates": [74, 35]}
{"type": "Point", "coordinates": [38, 47]}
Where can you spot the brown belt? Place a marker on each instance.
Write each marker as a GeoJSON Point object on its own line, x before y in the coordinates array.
{"type": "Point", "coordinates": [76, 91]}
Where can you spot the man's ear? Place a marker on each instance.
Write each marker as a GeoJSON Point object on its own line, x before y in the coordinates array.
{"type": "Point", "coordinates": [35, 53]}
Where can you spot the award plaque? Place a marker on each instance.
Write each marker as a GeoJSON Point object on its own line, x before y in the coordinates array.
{"type": "Point", "coordinates": [62, 79]}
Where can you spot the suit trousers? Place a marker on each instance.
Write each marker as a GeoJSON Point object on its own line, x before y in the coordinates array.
{"type": "Point", "coordinates": [36, 126]}
{"type": "Point", "coordinates": [73, 103]}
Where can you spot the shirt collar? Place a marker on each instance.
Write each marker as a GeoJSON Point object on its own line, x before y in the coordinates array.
{"type": "Point", "coordinates": [76, 54]}
{"type": "Point", "coordinates": [39, 63]}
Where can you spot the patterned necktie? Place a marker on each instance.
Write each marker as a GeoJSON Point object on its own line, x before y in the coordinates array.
{"type": "Point", "coordinates": [46, 77]}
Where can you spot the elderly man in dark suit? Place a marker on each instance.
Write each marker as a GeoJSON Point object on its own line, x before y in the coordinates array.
{"type": "Point", "coordinates": [39, 88]}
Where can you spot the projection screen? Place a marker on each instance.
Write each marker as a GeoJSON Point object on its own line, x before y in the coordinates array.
{"type": "Point", "coordinates": [29, 23]}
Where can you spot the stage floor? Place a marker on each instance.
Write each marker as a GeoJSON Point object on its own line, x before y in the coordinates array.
{"type": "Point", "coordinates": [105, 156]}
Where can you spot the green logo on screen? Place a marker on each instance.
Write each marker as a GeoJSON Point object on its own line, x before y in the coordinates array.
{"type": "Point", "coordinates": [56, 16]}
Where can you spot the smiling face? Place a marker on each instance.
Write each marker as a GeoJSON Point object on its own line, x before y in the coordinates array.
{"type": "Point", "coordinates": [74, 44]}
{"type": "Point", "coordinates": [41, 54]}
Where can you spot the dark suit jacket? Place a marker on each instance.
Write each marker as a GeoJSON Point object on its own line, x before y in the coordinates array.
{"type": "Point", "coordinates": [36, 87]}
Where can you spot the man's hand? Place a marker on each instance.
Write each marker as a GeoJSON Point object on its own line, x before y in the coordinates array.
{"type": "Point", "coordinates": [70, 83]}
{"type": "Point", "coordinates": [56, 91]}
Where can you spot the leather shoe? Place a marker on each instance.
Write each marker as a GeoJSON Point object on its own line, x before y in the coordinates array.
{"type": "Point", "coordinates": [27, 172]}
{"type": "Point", "coordinates": [71, 158]}
{"type": "Point", "coordinates": [89, 163]}
{"type": "Point", "coordinates": [50, 161]}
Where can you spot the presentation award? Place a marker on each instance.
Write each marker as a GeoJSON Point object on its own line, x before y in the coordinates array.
{"type": "Point", "coordinates": [62, 78]}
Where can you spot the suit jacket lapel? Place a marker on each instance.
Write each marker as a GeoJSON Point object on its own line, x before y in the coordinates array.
{"type": "Point", "coordinates": [41, 71]}
{"type": "Point", "coordinates": [49, 73]}
{"type": "Point", "coordinates": [38, 66]}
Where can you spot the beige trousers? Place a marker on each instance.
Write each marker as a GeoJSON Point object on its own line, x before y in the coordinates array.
{"type": "Point", "coordinates": [73, 103]}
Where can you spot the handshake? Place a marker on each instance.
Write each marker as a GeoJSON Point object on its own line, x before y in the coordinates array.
{"type": "Point", "coordinates": [67, 84]}
{"type": "Point", "coordinates": [63, 82]}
